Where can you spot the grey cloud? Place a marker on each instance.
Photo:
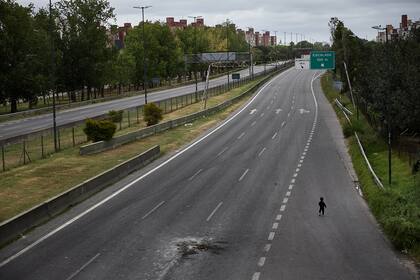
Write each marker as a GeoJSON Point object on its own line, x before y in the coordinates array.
{"type": "Point", "coordinates": [307, 17]}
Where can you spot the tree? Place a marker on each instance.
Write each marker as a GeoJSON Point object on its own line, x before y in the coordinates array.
{"type": "Point", "coordinates": [85, 43]}
{"type": "Point", "coordinates": [18, 53]}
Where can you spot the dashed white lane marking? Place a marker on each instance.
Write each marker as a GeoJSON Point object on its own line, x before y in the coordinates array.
{"type": "Point", "coordinates": [288, 193]}
{"type": "Point", "coordinates": [299, 165]}
{"type": "Point", "coordinates": [306, 149]}
{"type": "Point", "coordinates": [274, 136]}
{"type": "Point", "coordinates": [267, 247]}
{"type": "Point", "coordinates": [261, 261]}
{"type": "Point", "coordinates": [278, 217]}
{"type": "Point", "coordinates": [262, 151]}
{"type": "Point", "coordinates": [282, 208]}
{"type": "Point", "coordinates": [292, 108]}
{"type": "Point", "coordinates": [290, 187]}
{"type": "Point", "coordinates": [295, 175]}
{"type": "Point", "coordinates": [153, 210]}
{"type": "Point", "coordinates": [301, 161]}
{"type": "Point", "coordinates": [285, 200]}
{"type": "Point", "coordinates": [271, 235]}
{"type": "Point", "coordinates": [222, 151]}
{"type": "Point", "coordinates": [268, 107]}
{"type": "Point", "coordinates": [278, 111]}
{"type": "Point", "coordinates": [195, 174]}
{"type": "Point", "coordinates": [262, 115]}
{"type": "Point", "coordinates": [275, 225]}
{"type": "Point", "coordinates": [302, 157]}
{"type": "Point", "coordinates": [304, 153]}
{"type": "Point", "coordinates": [288, 115]}
{"type": "Point", "coordinates": [271, 101]}
{"type": "Point", "coordinates": [283, 123]}
{"type": "Point", "coordinates": [256, 276]}
{"type": "Point", "coordinates": [293, 181]}
{"type": "Point", "coordinates": [83, 267]}
{"type": "Point", "coordinates": [214, 211]}
{"type": "Point", "coordinates": [242, 135]}
{"type": "Point", "coordinates": [297, 169]}
{"type": "Point", "coordinates": [253, 123]}
{"type": "Point", "coordinates": [243, 175]}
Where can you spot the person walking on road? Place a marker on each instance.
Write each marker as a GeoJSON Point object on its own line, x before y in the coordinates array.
{"type": "Point", "coordinates": [322, 206]}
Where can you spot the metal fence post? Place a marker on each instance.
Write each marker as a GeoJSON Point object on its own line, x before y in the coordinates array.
{"type": "Point", "coordinates": [3, 158]}
{"type": "Point", "coordinates": [128, 116]}
{"type": "Point", "coordinates": [24, 152]}
{"type": "Point", "coordinates": [42, 146]}
{"type": "Point", "coordinates": [137, 112]}
{"type": "Point", "coordinates": [72, 134]}
{"type": "Point", "coordinates": [59, 139]}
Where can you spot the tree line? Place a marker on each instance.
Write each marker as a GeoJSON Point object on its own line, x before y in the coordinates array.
{"type": "Point", "coordinates": [70, 51]}
{"type": "Point", "coordinates": [385, 77]}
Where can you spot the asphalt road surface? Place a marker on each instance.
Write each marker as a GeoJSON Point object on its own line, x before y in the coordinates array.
{"type": "Point", "coordinates": [241, 202]}
{"type": "Point", "coordinates": [33, 124]}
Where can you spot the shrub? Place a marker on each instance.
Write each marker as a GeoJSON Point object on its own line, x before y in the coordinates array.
{"type": "Point", "coordinates": [99, 130]}
{"type": "Point", "coordinates": [116, 116]}
{"type": "Point", "coordinates": [403, 233]}
{"type": "Point", "coordinates": [152, 114]}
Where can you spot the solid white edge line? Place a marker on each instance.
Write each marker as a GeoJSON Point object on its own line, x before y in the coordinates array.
{"type": "Point", "coordinates": [69, 222]}
{"type": "Point", "coordinates": [214, 211]}
{"type": "Point", "coordinates": [274, 136]}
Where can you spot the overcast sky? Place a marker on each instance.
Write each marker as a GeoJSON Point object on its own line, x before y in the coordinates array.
{"type": "Point", "coordinates": [308, 17]}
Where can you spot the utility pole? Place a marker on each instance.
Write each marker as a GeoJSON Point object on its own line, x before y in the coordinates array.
{"type": "Point", "coordinates": [251, 66]}
{"type": "Point", "coordinates": [52, 78]}
{"type": "Point", "coordinates": [195, 51]}
{"type": "Point", "coordinates": [227, 51]}
{"type": "Point", "coordinates": [144, 53]}
{"type": "Point", "coordinates": [285, 38]}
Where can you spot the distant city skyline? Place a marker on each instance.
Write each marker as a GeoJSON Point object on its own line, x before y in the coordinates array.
{"type": "Point", "coordinates": [306, 17]}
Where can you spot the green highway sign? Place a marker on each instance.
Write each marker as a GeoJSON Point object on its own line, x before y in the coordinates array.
{"type": "Point", "coordinates": [322, 60]}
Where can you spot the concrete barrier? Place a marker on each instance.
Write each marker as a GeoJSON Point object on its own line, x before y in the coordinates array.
{"type": "Point", "coordinates": [101, 146]}
{"type": "Point", "coordinates": [18, 225]}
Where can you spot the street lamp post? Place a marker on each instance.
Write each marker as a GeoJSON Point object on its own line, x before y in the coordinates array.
{"type": "Point", "coordinates": [195, 51]}
{"type": "Point", "coordinates": [144, 52]}
{"type": "Point", "coordinates": [388, 121]}
{"type": "Point", "coordinates": [227, 51]}
{"type": "Point", "coordinates": [52, 77]}
{"type": "Point", "coordinates": [251, 66]}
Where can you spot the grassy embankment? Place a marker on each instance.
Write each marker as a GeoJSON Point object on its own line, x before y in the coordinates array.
{"type": "Point", "coordinates": [24, 187]}
{"type": "Point", "coordinates": [397, 208]}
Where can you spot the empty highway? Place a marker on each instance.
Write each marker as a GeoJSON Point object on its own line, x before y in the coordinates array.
{"type": "Point", "coordinates": [240, 202]}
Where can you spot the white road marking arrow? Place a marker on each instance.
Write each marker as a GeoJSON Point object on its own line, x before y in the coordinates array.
{"type": "Point", "coordinates": [253, 111]}
{"type": "Point", "coordinates": [303, 111]}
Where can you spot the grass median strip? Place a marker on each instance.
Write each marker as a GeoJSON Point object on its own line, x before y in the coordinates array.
{"type": "Point", "coordinates": [24, 187]}
{"type": "Point", "coordinates": [397, 208]}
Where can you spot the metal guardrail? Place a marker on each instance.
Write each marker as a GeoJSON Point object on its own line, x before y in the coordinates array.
{"type": "Point", "coordinates": [362, 150]}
